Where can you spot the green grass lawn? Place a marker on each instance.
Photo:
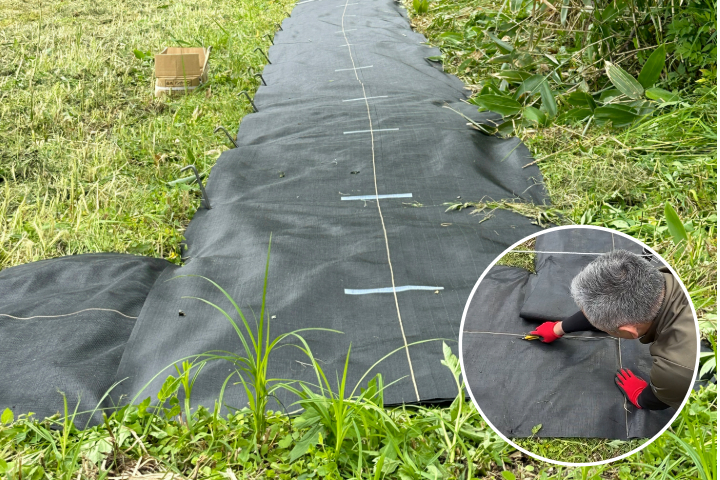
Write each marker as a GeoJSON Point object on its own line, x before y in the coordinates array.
{"type": "Point", "coordinates": [86, 150]}
{"type": "Point", "coordinates": [86, 154]}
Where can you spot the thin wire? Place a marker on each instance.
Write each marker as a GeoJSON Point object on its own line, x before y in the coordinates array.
{"type": "Point", "coordinates": [625, 407]}
{"type": "Point", "coordinates": [67, 314]}
{"type": "Point", "coordinates": [525, 334]}
{"type": "Point", "coordinates": [567, 253]}
{"type": "Point", "coordinates": [382, 220]}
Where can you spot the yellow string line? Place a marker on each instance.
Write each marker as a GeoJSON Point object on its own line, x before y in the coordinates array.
{"type": "Point", "coordinates": [67, 314]}
{"type": "Point", "coordinates": [377, 201]}
{"type": "Point", "coordinates": [625, 407]}
{"type": "Point", "coordinates": [525, 334]}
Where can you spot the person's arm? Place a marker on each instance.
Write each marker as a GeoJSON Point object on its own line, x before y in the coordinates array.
{"type": "Point", "coordinates": [551, 331]}
{"type": "Point", "coordinates": [575, 323]}
{"type": "Point", "coordinates": [649, 401]}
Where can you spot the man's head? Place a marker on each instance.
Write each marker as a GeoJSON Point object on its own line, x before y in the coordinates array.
{"type": "Point", "coordinates": [620, 293]}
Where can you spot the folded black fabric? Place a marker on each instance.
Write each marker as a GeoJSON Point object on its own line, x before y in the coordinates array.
{"type": "Point", "coordinates": [63, 328]}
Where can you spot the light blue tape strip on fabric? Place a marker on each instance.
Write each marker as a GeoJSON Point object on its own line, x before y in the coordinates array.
{"type": "Point", "coordinates": [374, 197]}
{"type": "Point", "coordinates": [404, 288]}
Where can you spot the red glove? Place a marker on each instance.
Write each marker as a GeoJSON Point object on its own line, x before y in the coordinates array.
{"type": "Point", "coordinates": [545, 331]}
{"type": "Point", "coordinates": [631, 385]}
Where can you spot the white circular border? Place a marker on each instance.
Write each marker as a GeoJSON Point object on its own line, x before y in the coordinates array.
{"type": "Point", "coordinates": [531, 454]}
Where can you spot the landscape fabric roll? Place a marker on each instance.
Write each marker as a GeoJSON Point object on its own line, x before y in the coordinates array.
{"type": "Point", "coordinates": [565, 388]}
{"type": "Point", "coordinates": [357, 152]}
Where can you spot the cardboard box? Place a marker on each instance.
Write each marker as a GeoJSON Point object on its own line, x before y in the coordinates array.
{"type": "Point", "coordinates": [180, 70]}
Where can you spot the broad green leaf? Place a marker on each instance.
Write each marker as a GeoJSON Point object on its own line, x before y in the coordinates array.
{"type": "Point", "coordinates": [515, 76]}
{"type": "Point", "coordinates": [506, 128]}
{"type": "Point", "coordinates": [515, 5]}
{"type": "Point", "coordinates": [620, 224]}
{"type": "Point", "coordinates": [581, 99]}
{"type": "Point", "coordinates": [503, 45]}
{"type": "Point", "coordinates": [534, 115]}
{"type": "Point", "coordinates": [452, 37]}
{"type": "Point", "coordinates": [552, 58]}
{"type": "Point", "coordinates": [548, 99]}
{"type": "Point", "coordinates": [662, 95]}
{"type": "Point", "coordinates": [420, 6]}
{"type": "Point", "coordinates": [7, 416]}
{"type": "Point", "coordinates": [609, 95]}
{"type": "Point", "coordinates": [564, 12]}
{"type": "Point", "coordinates": [310, 438]}
{"type": "Point", "coordinates": [285, 441]}
{"type": "Point", "coordinates": [530, 85]}
{"type": "Point", "coordinates": [508, 475]}
{"type": "Point", "coordinates": [624, 81]}
{"type": "Point", "coordinates": [612, 10]}
{"type": "Point", "coordinates": [536, 428]}
{"type": "Point", "coordinates": [3, 466]}
{"type": "Point", "coordinates": [169, 388]}
{"type": "Point", "coordinates": [575, 114]}
{"type": "Point", "coordinates": [675, 226]}
{"type": "Point", "coordinates": [451, 361]}
{"type": "Point", "coordinates": [709, 366]}
{"type": "Point", "coordinates": [502, 58]}
{"type": "Point", "coordinates": [653, 67]}
{"type": "Point", "coordinates": [497, 103]}
{"type": "Point", "coordinates": [615, 114]}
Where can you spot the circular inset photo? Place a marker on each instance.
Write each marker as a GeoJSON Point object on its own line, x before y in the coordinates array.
{"type": "Point", "coordinates": [579, 345]}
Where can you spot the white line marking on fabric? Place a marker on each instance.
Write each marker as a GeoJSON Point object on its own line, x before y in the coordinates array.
{"type": "Point", "coordinates": [354, 68]}
{"type": "Point", "coordinates": [371, 131]}
{"type": "Point", "coordinates": [347, 5]}
{"type": "Point", "coordinates": [368, 98]}
{"type": "Point", "coordinates": [348, 45]}
{"type": "Point", "coordinates": [67, 314]}
{"type": "Point", "coordinates": [305, 1]}
{"type": "Point", "coordinates": [393, 289]}
{"type": "Point", "coordinates": [348, 30]}
{"type": "Point", "coordinates": [382, 220]}
{"type": "Point", "coordinates": [377, 197]}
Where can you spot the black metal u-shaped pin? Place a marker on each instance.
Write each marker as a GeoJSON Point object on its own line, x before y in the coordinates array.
{"type": "Point", "coordinates": [261, 78]}
{"type": "Point", "coordinates": [206, 200]}
{"type": "Point", "coordinates": [222, 129]}
{"type": "Point", "coordinates": [279, 27]}
{"type": "Point", "coordinates": [269, 38]}
{"type": "Point", "coordinates": [244, 92]}
{"type": "Point", "coordinates": [258, 49]}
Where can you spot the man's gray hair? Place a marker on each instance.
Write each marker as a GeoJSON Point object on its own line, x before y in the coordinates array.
{"type": "Point", "coordinates": [618, 288]}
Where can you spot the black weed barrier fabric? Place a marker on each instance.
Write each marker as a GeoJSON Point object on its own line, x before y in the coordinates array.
{"type": "Point", "coordinates": [566, 386]}
{"type": "Point", "coordinates": [349, 163]}
{"type": "Point", "coordinates": [64, 324]}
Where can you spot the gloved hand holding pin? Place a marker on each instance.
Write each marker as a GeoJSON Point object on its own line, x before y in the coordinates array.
{"type": "Point", "coordinates": [547, 332]}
